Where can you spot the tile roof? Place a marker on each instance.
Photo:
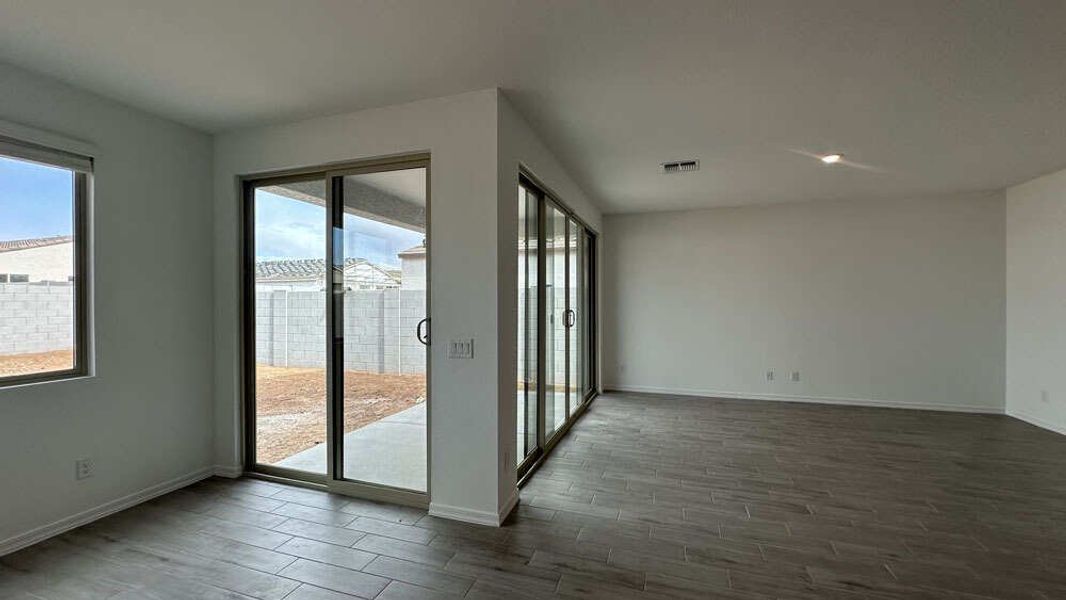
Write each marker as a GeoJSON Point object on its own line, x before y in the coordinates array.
{"type": "Point", "coordinates": [297, 268]}
{"type": "Point", "coordinates": [304, 269]}
{"type": "Point", "coordinates": [13, 245]}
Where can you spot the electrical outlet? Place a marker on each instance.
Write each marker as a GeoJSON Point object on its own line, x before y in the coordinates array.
{"type": "Point", "coordinates": [83, 468]}
{"type": "Point", "coordinates": [769, 376]}
{"type": "Point", "coordinates": [795, 376]}
{"type": "Point", "coordinates": [1045, 396]}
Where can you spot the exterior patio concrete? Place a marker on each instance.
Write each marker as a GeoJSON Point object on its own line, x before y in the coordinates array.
{"type": "Point", "coordinates": [389, 452]}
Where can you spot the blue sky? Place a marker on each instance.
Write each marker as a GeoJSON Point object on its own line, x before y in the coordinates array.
{"type": "Point", "coordinates": [35, 200]}
{"type": "Point", "coordinates": [287, 228]}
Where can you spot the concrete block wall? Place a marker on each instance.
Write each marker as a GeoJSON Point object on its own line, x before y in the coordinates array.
{"type": "Point", "coordinates": [367, 333]}
{"type": "Point", "coordinates": [412, 309]}
{"type": "Point", "coordinates": [379, 329]}
{"type": "Point", "coordinates": [36, 317]}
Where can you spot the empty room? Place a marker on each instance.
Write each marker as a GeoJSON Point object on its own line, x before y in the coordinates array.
{"type": "Point", "coordinates": [527, 299]}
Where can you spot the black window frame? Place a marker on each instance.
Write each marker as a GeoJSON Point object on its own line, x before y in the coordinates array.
{"type": "Point", "coordinates": [81, 168]}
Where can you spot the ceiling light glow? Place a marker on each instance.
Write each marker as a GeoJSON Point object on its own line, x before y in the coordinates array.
{"type": "Point", "coordinates": [830, 159]}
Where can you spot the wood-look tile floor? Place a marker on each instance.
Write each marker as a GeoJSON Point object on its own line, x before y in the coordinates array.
{"type": "Point", "coordinates": [648, 497]}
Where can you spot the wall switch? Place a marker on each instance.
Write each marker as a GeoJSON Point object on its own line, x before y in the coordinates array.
{"type": "Point", "coordinates": [795, 376]}
{"type": "Point", "coordinates": [769, 376]}
{"type": "Point", "coordinates": [83, 468]}
{"type": "Point", "coordinates": [1045, 397]}
{"type": "Point", "coordinates": [461, 349]}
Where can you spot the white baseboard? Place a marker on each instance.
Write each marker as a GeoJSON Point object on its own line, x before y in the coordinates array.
{"type": "Point", "coordinates": [229, 471]}
{"type": "Point", "coordinates": [867, 402]}
{"type": "Point", "coordinates": [1039, 422]}
{"type": "Point", "coordinates": [477, 517]}
{"type": "Point", "coordinates": [466, 515]}
{"type": "Point", "coordinates": [505, 510]}
{"type": "Point", "coordinates": [44, 532]}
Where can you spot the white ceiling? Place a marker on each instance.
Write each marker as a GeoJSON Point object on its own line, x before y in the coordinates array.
{"type": "Point", "coordinates": [406, 184]}
{"type": "Point", "coordinates": [923, 96]}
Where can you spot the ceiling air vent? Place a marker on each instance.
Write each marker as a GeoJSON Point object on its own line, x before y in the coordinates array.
{"type": "Point", "coordinates": [679, 166]}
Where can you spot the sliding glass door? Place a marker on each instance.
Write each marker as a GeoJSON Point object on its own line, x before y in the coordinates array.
{"type": "Point", "coordinates": [337, 328]}
{"type": "Point", "coordinates": [555, 321]}
{"type": "Point", "coordinates": [557, 316]}
{"type": "Point", "coordinates": [379, 291]}
{"type": "Point", "coordinates": [575, 316]}
{"type": "Point", "coordinates": [528, 335]}
{"type": "Point", "coordinates": [288, 367]}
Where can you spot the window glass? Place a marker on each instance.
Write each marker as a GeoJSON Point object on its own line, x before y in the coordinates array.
{"type": "Point", "coordinates": [39, 255]}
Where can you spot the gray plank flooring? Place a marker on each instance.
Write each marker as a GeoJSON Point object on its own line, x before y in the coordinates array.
{"type": "Point", "coordinates": [647, 497]}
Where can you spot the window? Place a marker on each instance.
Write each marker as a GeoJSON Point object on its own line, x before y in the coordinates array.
{"type": "Point", "coordinates": [43, 197]}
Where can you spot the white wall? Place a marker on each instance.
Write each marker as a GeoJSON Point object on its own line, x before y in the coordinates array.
{"type": "Point", "coordinates": [145, 418]}
{"type": "Point", "coordinates": [1036, 301]}
{"type": "Point", "coordinates": [44, 263]}
{"type": "Point", "coordinates": [897, 303]}
{"type": "Point", "coordinates": [460, 133]}
{"type": "Point", "coordinates": [520, 147]}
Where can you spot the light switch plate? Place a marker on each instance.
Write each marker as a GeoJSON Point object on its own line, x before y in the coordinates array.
{"type": "Point", "coordinates": [461, 348]}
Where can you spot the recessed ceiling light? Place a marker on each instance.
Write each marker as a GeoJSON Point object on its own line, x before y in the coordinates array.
{"type": "Point", "coordinates": [830, 159]}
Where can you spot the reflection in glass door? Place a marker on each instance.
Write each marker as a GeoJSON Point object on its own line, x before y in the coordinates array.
{"type": "Point", "coordinates": [380, 288]}
{"type": "Point", "coordinates": [556, 312]}
{"type": "Point", "coordinates": [528, 362]}
{"type": "Point", "coordinates": [288, 275]}
{"type": "Point", "coordinates": [574, 318]}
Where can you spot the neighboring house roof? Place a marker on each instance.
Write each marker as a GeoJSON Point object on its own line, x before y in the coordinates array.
{"type": "Point", "coordinates": [27, 244]}
{"type": "Point", "coordinates": [356, 270]}
{"type": "Point", "coordinates": [308, 268]}
{"type": "Point", "coordinates": [419, 250]}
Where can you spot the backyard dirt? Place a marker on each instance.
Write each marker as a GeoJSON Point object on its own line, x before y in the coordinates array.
{"type": "Point", "coordinates": [291, 413]}
{"type": "Point", "coordinates": [36, 362]}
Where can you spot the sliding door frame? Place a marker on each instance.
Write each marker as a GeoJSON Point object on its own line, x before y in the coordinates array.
{"type": "Point", "coordinates": [333, 480]}
{"type": "Point", "coordinates": [592, 321]}
{"type": "Point", "coordinates": [247, 319]}
{"type": "Point", "coordinates": [546, 443]}
{"type": "Point", "coordinates": [529, 336]}
{"type": "Point", "coordinates": [335, 363]}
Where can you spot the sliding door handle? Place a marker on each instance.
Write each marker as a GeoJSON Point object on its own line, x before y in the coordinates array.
{"type": "Point", "coordinates": [423, 337]}
{"type": "Point", "coordinates": [571, 317]}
